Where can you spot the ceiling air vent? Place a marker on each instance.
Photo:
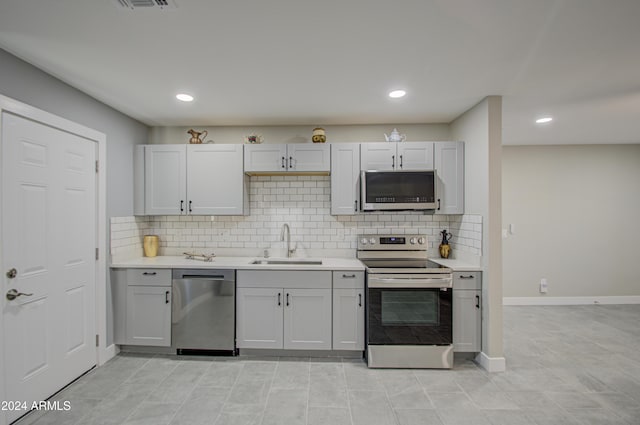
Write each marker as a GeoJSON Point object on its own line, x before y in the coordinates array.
{"type": "Point", "coordinates": [144, 4]}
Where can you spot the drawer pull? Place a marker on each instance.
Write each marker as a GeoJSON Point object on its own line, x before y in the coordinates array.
{"type": "Point", "coordinates": [467, 277]}
{"type": "Point", "coordinates": [149, 273]}
{"type": "Point", "coordinates": [348, 276]}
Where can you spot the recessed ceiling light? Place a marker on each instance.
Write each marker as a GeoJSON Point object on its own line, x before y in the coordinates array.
{"type": "Point", "coordinates": [184, 97]}
{"type": "Point", "coordinates": [544, 120]}
{"type": "Point", "coordinates": [397, 93]}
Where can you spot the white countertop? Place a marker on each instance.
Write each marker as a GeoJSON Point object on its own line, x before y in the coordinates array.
{"type": "Point", "coordinates": [240, 263]}
{"type": "Point", "coordinates": [457, 265]}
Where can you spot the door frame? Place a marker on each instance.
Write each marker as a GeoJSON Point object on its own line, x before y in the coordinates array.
{"type": "Point", "coordinates": [103, 353]}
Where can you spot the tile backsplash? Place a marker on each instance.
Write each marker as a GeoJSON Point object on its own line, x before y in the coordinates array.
{"type": "Point", "coordinates": [304, 203]}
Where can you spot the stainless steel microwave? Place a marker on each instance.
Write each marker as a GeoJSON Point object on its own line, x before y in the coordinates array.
{"type": "Point", "coordinates": [398, 190]}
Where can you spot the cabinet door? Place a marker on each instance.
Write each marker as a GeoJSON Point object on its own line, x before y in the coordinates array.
{"type": "Point", "coordinates": [348, 319]}
{"type": "Point", "coordinates": [378, 156]}
{"type": "Point", "coordinates": [345, 178]}
{"type": "Point", "coordinates": [449, 165]}
{"type": "Point", "coordinates": [165, 179]}
{"type": "Point", "coordinates": [307, 319]}
{"type": "Point", "coordinates": [415, 156]}
{"type": "Point", "coordinates": [259, 317]}
{"type": "Point", "coordinates": [265, 157]}
{"type": "Point", "coordinates": [148, 319]}
{"type": "Point", "coordinates": [308, 157]}
{"type": "Point", "coordinates": [215, 180]}
{"type": "Point", "coordinates": [467, 321]}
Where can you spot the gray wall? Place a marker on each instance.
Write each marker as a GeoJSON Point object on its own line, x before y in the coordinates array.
{"type": "Point", "coordinates": [22, 81]}
{"type": "Point", "coordinates": [26, 83]}
{"type": "Point", "coordinates": [576, 211]}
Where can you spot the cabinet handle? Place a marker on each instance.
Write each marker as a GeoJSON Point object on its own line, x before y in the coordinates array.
{"type": "Point", "coordinates": [393, 161]}
{"type": "Point", "coordinates": [279, 295]}
{"type": "Point", "coordinates": [359, 300]}
{"type": "Point", "coordinates": [290, 162]}
{"type": "Point", "coordinates": [287, 299]}
{"type": "Point", "coordinates": [181, 206]}
{"type": "Point", "coordinates": [356, 207]}
{"type": "Point", "coordinates": [283, 166]}
{"type": "Point", "coordinates": [400, 161]}
{"type": "Point", "coordinates": [467, 277]}
{"type": "Point", "coordinates": [478, 301]}
{"type": "Point", "coordinates": [349, 276]}
{"type": "Point", "coordinates": [438, 204]}
{"type": "Point", "coordinates": [190, 206]}
{"type": "Point", "coordinates": [149, 273]}
{"type": "Point", "coordinates": [166, 297]}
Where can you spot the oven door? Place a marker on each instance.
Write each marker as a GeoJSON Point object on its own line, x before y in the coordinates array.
{"type": "Point", "coordinates": [413, 312]}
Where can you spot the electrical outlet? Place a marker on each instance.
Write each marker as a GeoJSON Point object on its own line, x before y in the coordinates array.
{"type": "Point", "coordinates": [544, 285]}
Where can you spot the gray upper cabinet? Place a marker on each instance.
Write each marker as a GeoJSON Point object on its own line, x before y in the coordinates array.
{"type": "Point", "coordinates": [389, 156]}
{"type": "Point", "coordinates": [449, 166]}
{"type": "Point", "coordinates": [345, 178]}
{"type": "Point", "coordinates": [286, 158]}
{"type": "Point", "coordinates": [467, 311]}
{"type": "Point", "coordinates": [185, 179]}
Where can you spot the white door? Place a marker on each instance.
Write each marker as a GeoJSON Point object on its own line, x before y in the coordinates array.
{"type": "Point", "coordinates": [348, 319]}
{"type": "Point", "coordinates": [265, 157]}
{"type": "Point", "coordinates": [345, 178]}
{"type": "Point", "coordinates": [312, 157]}
{"type": "Point", "coordinates": [165, 180]}
{"type": "Point", "coordinates": [378, 156]}
{"type": "Point", "coordinates": [415, 156]}
{"type": "Point", "coordinates": [49, 238]}
{"type": "Point", "coordinates": [307, 319]}
{"type": "Point", "coordinates": [259, 317]}
{"type": "Point", "coordinates": [215, 181]}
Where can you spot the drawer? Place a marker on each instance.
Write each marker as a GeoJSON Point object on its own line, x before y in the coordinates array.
{"type": "Point", "coordinates": [283, 279]}
{"type": "Point", "coordinates": [150, 277]}
{"type": "Point", "coordinates": [348, 280]}
{"type": "Point", "coordinates": [467, 280]}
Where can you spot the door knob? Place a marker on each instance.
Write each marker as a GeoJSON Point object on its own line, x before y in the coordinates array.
{"type": "Point", "coordinates": [12, 294]}
{"type": "Point", "coordinates": [12, 273]}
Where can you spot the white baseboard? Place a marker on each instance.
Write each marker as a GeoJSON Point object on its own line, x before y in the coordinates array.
{"type": "Point", "coordinates": [491, 364]}
{"type": "Point", "coordinates": [108, 353]}
{"type": "Point", "coordinates": [631, 299]}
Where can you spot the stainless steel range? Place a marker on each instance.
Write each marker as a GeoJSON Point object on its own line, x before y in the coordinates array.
{"type": "Point", "coordinates": [409, 315]}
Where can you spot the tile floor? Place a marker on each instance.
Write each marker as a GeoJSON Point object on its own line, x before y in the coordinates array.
{"type": "Point", "coordinates": [565, 365]}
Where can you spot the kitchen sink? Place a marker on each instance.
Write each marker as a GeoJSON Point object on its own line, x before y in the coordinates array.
{"type": "Point", "coordinates": [291, 262]}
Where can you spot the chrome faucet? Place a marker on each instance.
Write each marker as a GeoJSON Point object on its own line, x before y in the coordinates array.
{"type": "Point", "coordinates": [290, 251]}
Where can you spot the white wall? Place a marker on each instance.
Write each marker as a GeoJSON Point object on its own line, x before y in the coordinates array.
{"type": "Point", "coordinates": [302, 134]}
{"type": "Point", "coordinates": [576, 211]}
{"type": "Point", "coordinates": [481, 129]}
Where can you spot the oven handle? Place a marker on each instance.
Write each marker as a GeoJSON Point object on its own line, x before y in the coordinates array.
{"type": "Point", "coordinates": [383, 282]}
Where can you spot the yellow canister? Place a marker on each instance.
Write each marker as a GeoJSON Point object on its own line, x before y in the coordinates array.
{"type": "Point", "coordinates": [150, 245]}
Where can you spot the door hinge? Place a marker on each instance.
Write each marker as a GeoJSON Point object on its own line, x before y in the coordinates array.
{"type": "Point", "coordinates": [97, 253]}
{"type": "Point", "coordinates": [97, 340]}
{"type": "Point", "coordinates": [97, 166]}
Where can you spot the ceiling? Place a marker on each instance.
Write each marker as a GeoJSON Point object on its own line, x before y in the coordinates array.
{"type": "Point", "coordinates": [293, 62]}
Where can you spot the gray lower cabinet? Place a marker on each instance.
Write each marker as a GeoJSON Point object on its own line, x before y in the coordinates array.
{"type": "Point", "coordinates": [283, 309]}
{"type": "Point", "coordinates": [467, 311]}
{"type": "Point", "coordinates": [142, 306]}
{"type": "Point", "coordinates": [348, 310]}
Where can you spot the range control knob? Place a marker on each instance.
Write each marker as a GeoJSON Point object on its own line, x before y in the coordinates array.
{"type": "Point", "coordinates": [413, 241]}
{"type": "Point", "coordinates": [372, 241]}
{"type": "Point", "coordinates": [364, 241]}
{"type": "Point", "coordinates": [421, 241]}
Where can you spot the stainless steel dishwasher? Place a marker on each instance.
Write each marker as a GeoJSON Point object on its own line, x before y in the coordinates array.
{"type": "Point", "coordinates": [203, 311]}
